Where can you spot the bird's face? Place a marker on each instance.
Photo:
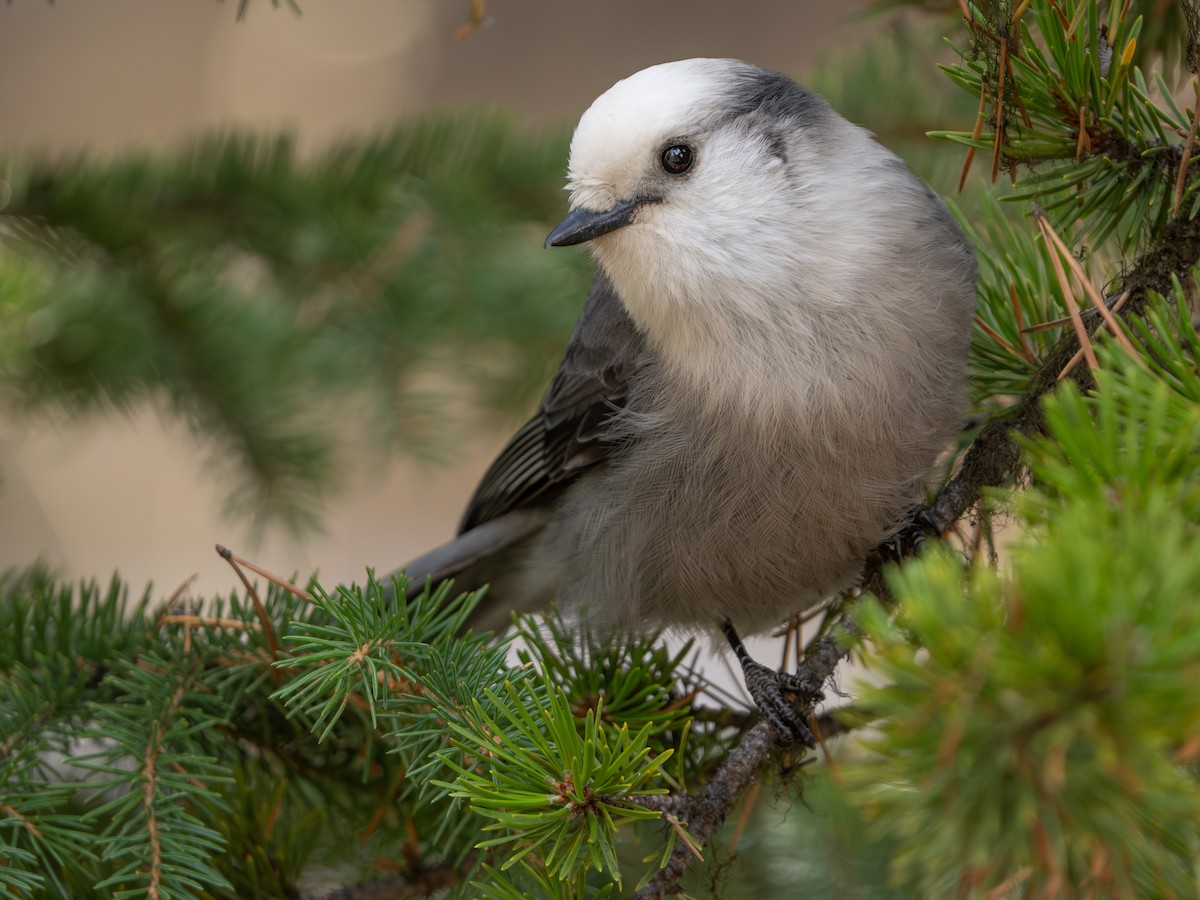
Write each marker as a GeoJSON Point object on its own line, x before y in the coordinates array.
{"type": "Point", "coordinates": [704, 183]}
{"type": "Point", "coordinates": [642, 144]}
{"type": "Point", "coordinates": [666, 150]}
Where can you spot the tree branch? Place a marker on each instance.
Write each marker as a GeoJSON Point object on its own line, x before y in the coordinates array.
{"type": "Point", "coordinates": [705, 811]}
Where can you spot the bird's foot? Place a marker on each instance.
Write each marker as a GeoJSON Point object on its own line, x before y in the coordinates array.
{"type": "Point", "coordinates": [780, 696]}
{"type": "Point", "coordinates": [910, 540]}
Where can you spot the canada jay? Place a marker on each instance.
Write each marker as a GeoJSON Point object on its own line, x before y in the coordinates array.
{"type": "Point", "coordinates": [771, 356]}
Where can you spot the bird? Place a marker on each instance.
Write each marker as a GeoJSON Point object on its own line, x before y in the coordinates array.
{"type": "Point", "coordinates": [770, 358]}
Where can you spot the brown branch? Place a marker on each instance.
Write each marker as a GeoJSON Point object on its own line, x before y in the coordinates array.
{"type": "Point", "coordinates": [992, 460]}
{"type": "Point", "coordinates": [150, 790]}
{"type": "Point", "coordinates": [706, 810]}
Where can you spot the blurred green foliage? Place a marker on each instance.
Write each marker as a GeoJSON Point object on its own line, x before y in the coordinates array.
{"type": "Point", "coordinates": [1039, 726]}
{"type": "Point", "coordinates": [292, 310]}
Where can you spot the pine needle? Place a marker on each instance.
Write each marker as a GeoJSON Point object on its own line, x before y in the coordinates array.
{"type": "Point", "coordinates": [1186, 156]}
{"type": "Point", "coordinates": [1074, 360]}
{"type": "Point", "coordinates": [1081, 333]}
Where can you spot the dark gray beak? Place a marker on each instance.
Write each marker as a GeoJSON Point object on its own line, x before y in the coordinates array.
{"type": "Point", "coordinates": [582, 225]}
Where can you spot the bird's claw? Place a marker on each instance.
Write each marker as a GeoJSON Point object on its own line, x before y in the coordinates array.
{"type": "Point", "coordinates": [770, 689]}
{"type": "Point", "coordinates": [910, 540]}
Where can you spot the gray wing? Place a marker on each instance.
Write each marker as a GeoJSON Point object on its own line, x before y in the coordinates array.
{"type": "Point", "coordinates": [568, 433]}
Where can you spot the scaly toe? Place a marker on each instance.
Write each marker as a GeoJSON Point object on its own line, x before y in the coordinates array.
{"type": "Point", "coordinates": [767, 688]}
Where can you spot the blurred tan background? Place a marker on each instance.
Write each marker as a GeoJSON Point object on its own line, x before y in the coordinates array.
{"type": "Point", "coordinates": [132, 494]}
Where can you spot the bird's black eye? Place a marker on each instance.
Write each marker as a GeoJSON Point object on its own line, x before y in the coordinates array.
{"type": "Point", "coordinates": [677, 159]}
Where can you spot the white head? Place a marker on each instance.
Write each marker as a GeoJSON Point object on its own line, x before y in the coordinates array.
{"type": "Point", "coordinates": [731, 208]}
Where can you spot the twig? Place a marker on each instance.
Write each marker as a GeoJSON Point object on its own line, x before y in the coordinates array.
{"type": "Point", "coordinates": [207, 622]}
{"type": "Point", "coordinates": [708, 808]}
{"type": "Point", "coordinates": [150, 792]}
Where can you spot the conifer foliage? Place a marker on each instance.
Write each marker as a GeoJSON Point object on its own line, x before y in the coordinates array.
{"type": "Point", "coordinates": [1033, 726]}
{"type": "Point", "coordinates": [281, 304]}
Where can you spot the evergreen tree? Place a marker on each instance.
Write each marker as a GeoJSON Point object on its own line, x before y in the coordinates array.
{"type": "Point", "coordinates": [1034, 726]}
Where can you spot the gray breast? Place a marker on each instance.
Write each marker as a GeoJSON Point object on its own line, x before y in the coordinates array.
{"type": "Point", "coordinates": [700, 515]}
